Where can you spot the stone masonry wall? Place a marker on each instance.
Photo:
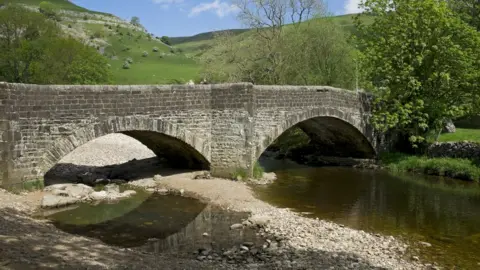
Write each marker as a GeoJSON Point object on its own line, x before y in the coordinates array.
{"type": "Point", "coordinates": [281, 107]}
{"type": "Point", "coordinates": [469, 150]}
{"type": "Point", "coordinates": [228, 125]}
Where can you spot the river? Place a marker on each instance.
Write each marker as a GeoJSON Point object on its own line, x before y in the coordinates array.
{"type": "Point", "coordinates": [442, 212]}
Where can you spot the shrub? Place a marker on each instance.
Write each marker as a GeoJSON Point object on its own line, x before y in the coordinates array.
{"type": "Point", "coordinates": [172, 50]}
{"type": "Point", "coordinates": [145, 54]}
{"type": "Point", "coordinates": [155, 49]}
{"type": "Point", "coordinates": [98, 34]}
{"type": "Point", "coordinates": [129, 60]}
{"type": "Point", "coordinates": [49, 10]}
{"type": "Point", "coordinates": [69, 26]}
{"type": "Point", "coordinates": [126, 65]}
{"type": "Point", "coordinates": [85, 17]}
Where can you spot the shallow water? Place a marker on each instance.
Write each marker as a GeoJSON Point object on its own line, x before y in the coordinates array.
{"type": "Point", "coordinates": [443, 212]}
{"type": "Point", "coordinates": [156, 223]}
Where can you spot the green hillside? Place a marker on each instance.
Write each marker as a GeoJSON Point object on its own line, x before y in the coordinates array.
{"type": "Point", "coordinates": [198, 44]}
{"type": "Point", "coordinates": [118, 40]}
{"type": "Point", "coordinates": [203, 36]}
{"type": "Point", "coordinates": [62, 4]}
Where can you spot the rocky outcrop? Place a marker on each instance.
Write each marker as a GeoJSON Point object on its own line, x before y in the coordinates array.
{"type": "Point", "coordinates": [463, 149]}
{"type": "Point", "coordinates": [66, 194]}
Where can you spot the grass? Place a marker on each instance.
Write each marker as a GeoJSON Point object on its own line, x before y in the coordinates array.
{"type": "Point", "coordinates": [243, 174]}
{"type": "Point", "coordinates": [463, 169]}
{"type": "Point", "coordinates": [33, 185]}
{"type": "Point", "coordinates": [461, 134]}
{"type": "Point", "coordinates": [162, 67]}
{"type": "Point", "coordinates": [62, 4]}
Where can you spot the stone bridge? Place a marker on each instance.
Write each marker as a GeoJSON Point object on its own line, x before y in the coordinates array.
{"type": "Point", "coordinates": [221, 127]}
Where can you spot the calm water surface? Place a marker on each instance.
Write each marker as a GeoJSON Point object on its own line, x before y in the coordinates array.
{"type": "Point", "coordinates": [156, 223]}
{"type": "Point", "coordinates": [443, 212]}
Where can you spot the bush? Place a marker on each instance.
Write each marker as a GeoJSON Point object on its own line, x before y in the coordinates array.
{"type": "Point", "coordinates": [126, 65]}
{"type": "Point", "coordinates": [155, 49]}
{"type": "Point", "coordinates": [69, 26]}
{"type": "Point", "coordinates": [129, 60]}
{"type": "Point", "coordinates": [85, 17]}
{"type": "Point", "coordinates": [172, 50]}
{"type": "Point", "coordinates": [98, 34]}
{"type": "Point", "coordinates": [48, 9]}
{"type": "Point", "coordinates": [145, 54]}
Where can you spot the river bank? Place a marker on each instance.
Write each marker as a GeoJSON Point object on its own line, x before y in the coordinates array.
{"type": "Point", "coordinates": [300, 242]}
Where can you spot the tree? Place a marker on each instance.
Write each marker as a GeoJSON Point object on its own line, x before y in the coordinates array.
{"type": "Point", "coordinates": [469, 11]}
{"type": "Point", "coordinates": [311, 50]}
{"type": "Point", "coordinates": [423, 64]}
{"type": "Point", "coordinates": [165, 40]}
{"type": "Point", "coordinates": [33, 51]}
{"type": "Point", "coordinates": [25, 35]}
{"type": "Point", "coordinates": [67, 61]}
{"type": "Point", "coordinates": [135, 21]}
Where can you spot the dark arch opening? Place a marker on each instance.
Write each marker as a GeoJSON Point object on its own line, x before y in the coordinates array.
{"type": "Point", "coordinates": [170, 155]}
{"type": "Point", "coordinates": [177, 153]}
{"type": "Point", "coordinates": [323, 136]}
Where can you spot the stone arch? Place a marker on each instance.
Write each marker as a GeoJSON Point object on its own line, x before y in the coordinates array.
{"type": "Point", "coordinates": [162, 137]}
{"type": "Point", "coordinates": [348, 128]}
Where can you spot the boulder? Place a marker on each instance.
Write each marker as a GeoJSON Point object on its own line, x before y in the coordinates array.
{"type": "Point", "coordinates": [99, 195]}
{"type": "Point", "coordinates": [449, 127]}
{"type": "Point", "coordinates": [65, 194]}
{"type": "Point", "coordinates": [50, 201]}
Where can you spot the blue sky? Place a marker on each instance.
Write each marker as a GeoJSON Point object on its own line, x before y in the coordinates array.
{"type": "Point", "coordinates": [187, 17]}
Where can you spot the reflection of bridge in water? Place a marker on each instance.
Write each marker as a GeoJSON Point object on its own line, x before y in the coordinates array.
{"type": "Point", "coordinates": [159, 223]}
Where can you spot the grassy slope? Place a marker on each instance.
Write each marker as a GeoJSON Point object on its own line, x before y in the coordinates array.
{"type": "Point", "coordinates": [153, 69]}
{"type": "Point", "coordinates": [63, 4]}
{"type": "Point", "coordinates": [202, 36]}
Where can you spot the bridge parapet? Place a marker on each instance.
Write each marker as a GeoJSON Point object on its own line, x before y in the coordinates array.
{"type": "Point", "coordinates": [224, 126]}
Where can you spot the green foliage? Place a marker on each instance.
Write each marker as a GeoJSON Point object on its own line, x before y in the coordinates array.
{"type": "Point", "coordinates": [129, 60]}
{"type": "Point", "coordinates": [48, 9]}
{"type": "Point", "coordinates": [145, 54]}
{"type": "Point", "coordinates": [155, 49]}
{"type": "Point", "coordinates": [67, 61]}
{"type": "Point", "coordinates": [450, 167]}
{"type": "Point", "coordinates": [257, 172]}
{"type": "Point", "coordinates": [165, 40]}
{"type": "Point", "coordinates": [290, 139]}
{"type": "Point", "coordinates": [469, 11]}
{"type": "Point", "coordinates": [27, 186]}
{"type": "Point", "coordinates": [34, 52]}
{"type": "Point", "coordinates": [98, 34]}
{"type": "Point", "coordinates": [314, 52]}
{"type": "Point", "coordinates": [423, 64]}
{"type": "Point", "coordinates": [135, 21]}
{"type": "Point", "coordinates": [126, 65]}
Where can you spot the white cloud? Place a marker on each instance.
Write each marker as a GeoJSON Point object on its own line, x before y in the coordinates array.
{"type": "Point", "coordinates": [222, 9]}
{"type": "Point", "coordinates": [166, 3]}
{"type": "Point", "coordinates": [351, 6]}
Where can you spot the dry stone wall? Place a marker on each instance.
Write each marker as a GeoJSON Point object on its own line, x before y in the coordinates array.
{"type": "Point", "coordinates": [224, 126]}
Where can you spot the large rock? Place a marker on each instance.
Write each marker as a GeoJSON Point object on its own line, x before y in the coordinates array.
{"type": "Point", "coordinates": [65, 194]}
{"type": "Point", "coordinates": [449, 127]}
{"type": "Point", "coordinates": [144, 183]}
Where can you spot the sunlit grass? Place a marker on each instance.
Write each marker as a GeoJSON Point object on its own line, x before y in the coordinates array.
{"type": "Point", "coordinates": [461, 134]}
{"type": "Point", "coordinates": [464, 169]}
